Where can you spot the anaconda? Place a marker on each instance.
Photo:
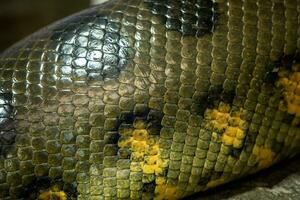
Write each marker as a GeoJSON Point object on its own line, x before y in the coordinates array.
{"type": "Point", "coordinates": [150, 99]}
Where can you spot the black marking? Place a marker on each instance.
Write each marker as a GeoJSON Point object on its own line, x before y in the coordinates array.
{"type": "Point", "coordinates": [127, 118]}
{"type": "Point", "coordinates": [152, 119]}
{"type": "Point", "coordinates": [111, 138]}
{"type": "Point", "coordinates": [216, 175]}
{"type": "Point", "coordinates": [149, 187]}
{"type": "Point", "coordinates": [191, 18]}
{"type": "Point", "coordinates": [92, 44]}
{"type": "Point", "coordinates": [205, 179]}
{"type": "Point", "coordinates": [7, 123]}
{"type": "Point", "coordinates": [271, 77]}
{"type": "Point", "coordinates": [235, 153]}
{"type": "Point", "coordinates": [215, 95]}
{"type": "Point", "coordinates": [154, 122]}
{"type": "Point", "coordinates": [285, 62]}
{"type": "Point", "coordinates": [288, 60]}
{"type": "Point", "coordinates": [249, 140]}
{"type": "Point", "coordinates": [39, 184]}
{"type": "Point", "coordinates": [288, 118]}
{"type": "Point", "coordinates": [141, 111]}
{"type": "Point", "coordinates": [228, 96]}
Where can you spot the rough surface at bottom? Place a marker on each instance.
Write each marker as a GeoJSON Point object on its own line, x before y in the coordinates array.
{"type": "Point", "coordinates": [279, 182]}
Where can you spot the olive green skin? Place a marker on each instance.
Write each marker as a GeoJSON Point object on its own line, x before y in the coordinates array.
{"type": "Point", "coordinates": [69, 91]}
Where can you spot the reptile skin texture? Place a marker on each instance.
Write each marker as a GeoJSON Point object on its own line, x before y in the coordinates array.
{"type": "Point", "coordinates": [150, 99]}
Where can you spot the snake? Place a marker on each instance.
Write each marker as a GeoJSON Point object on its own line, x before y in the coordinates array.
{"type": "Point", "coordinates": [150, 99]}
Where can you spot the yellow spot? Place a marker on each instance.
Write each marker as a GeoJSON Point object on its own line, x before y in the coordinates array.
{"type": "Point", "coordinates": [125, 142]}
{"type": "Point", "coordinates": [290, 81]}
{"type": "Point", "coordinates": [235, 121]}
{"type": "Point", "coordinates": [165, 191]}
{"type": "Point", "coordinates": [151, 159]}
{"type": "Point", "coordinates": [237, 143]}
{"type": "Point", "coordinates": [151, 169]}
{"type": "Point", "coordinates": [139, 124]}
{"type": "Point", "coordinates": [265, 156]}
{"type": "Point", "coordinates": [135, 166]}
{"type": "Point", "coordinates": [224, 108]}
{"type": "Point", "coordinates": [126, 131]}
{"type": "Point", "coordinates": [218, 126]}
{"type": "Point", "coordinates": [162, 163]}
{"type": "Point", "coordinates": [222, 118]}
{"type": "Point", "coordinates": [227, 124]}
{"type": "Point", "coordinates": [160, 180]}
{"type": "Point", "coordinates": [139, 146]}
{"type": "Point", "coordinates": [53, 193]}
{"type": "Point", "coordinates": [240, 134]}
{"type": "Point", "coordinates": [153, 149]}
{"type": "Point", "coordinates": [231, 131]}
{"type": "Point", "coordinates": [215, 137]}
{"type": "Point", "coordinates": [145, 156]}
{"type": "Point", "coordinates": [171, 191]}
{"type": "Point", "coordinates": [137, 155]}
{"type": "Point", "coordinates": [227, 140]}
{"type": "Point", "coordinates": [140, 134]}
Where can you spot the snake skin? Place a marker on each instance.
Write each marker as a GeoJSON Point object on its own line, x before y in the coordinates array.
{"type": "Point", "coordinates": [143, 99]}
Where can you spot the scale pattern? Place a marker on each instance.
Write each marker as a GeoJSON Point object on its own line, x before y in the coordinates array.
{"type": "Point", "coordinates": [143, 99]}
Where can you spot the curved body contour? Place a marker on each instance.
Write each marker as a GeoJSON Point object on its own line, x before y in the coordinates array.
{"type": "Point", "coordinates": [142, 99]}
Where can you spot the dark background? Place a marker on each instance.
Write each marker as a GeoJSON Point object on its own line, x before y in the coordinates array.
{"type": "Point", "coordinates": [19, 18]}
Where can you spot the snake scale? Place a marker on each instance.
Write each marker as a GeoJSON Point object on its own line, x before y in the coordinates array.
{"type": "Point", "coordinates": [150, 99]}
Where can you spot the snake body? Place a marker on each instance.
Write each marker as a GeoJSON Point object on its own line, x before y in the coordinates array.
{"type": "Point", "coordinates": [143, 99]}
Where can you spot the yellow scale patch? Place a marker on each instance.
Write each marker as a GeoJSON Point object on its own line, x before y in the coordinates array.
{"type": "Point", "coordinates": [164, 190]}
{"type": "Point", "coordinates": [53, 193]}
{"type": "Point", "coordinates": [143, 148]}
{"type": "Point", "coordinates": [265, 156]}
{"type": "Point", "coordinates": [290, 81]}
{"type": "Point", "coordinates": [227, 123]}
{"type": "Point", "coordinates": [145, 155]}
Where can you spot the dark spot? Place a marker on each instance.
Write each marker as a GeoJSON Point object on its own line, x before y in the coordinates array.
{"type": "Point", "coordinates": [227, 96]}
{"type": "Point", "coordinates": [285, 62]}
{"type": "Point", "coordinates": [215, 95]}
{"type": "Point", "coordinates": [141, 111]}
{"type": "Point", "coordinates": [288, 118]}
{"type": "Point", "coordinates": [149, 187]}
{"type": "Point", "coordinates": [7, 123]}
{"type": "Point", "coordinates": [39, 184]}
{"type": "Point", "coordinates": [249, 139]}
{"type": "Point", "coordinates": [288, 60]}
{"type": "Point", "coordinates": [154, 122]}
{"type": "Point", "coordinates": [111, 138]}
{"type": "Point", "coordinates": [191, 18]}
{"type": "Point", "coordinates": [91, 42]}
{"type": "Point", "coordinates": [127, 118]}
{"type": "Point", "coordinates": [277, 147]}
{"type": "Point", "coordinates": [204, 179]}
{"type": "Point", "coordinates": [151, 118]}
{"type": "Point", "coordinates": [165, 172]}
{"type": "Point", "coordinates": [271, 77]}
{"type": "Point", "coordinates": [235, 153]}
{"type": "Point", "coordinates": [216, 175]}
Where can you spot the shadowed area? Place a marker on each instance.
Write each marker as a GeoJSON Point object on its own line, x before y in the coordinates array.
{"type": "Point", "coordinates": [281, 181]}
{"type": "Point", "coordinates": [21, 18]}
